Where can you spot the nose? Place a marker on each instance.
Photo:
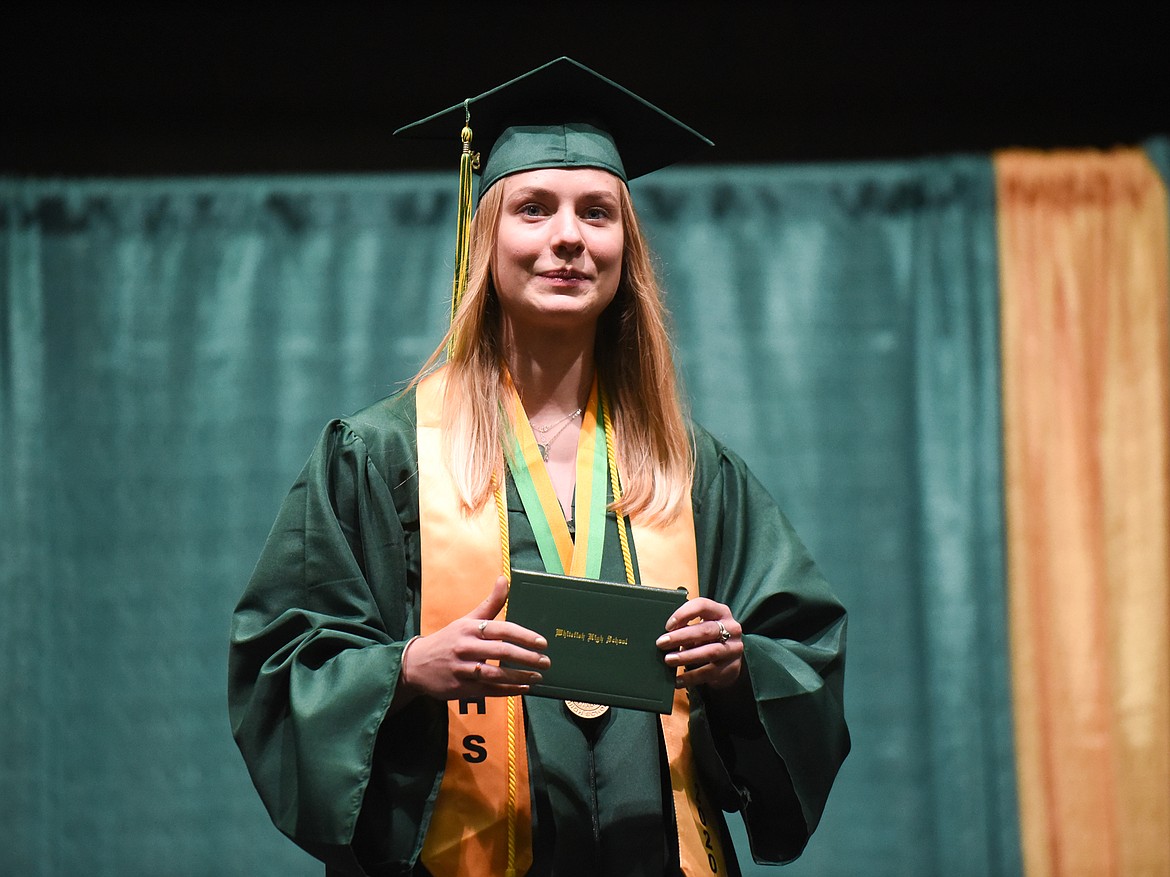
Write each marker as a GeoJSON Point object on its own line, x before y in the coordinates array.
{"type": "Point", "coordinates": [566, 233]}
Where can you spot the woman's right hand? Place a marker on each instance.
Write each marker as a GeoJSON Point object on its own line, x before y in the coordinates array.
{"type": "Point", "coordinates": [462, 659]}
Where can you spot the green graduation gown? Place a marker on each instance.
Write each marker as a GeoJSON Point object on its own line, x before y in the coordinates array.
{"type": "Point", "coordinates": [317, 640]}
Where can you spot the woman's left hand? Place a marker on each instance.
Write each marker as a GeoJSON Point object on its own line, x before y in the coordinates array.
{"type": "Point", "coordinates": [703, 638]}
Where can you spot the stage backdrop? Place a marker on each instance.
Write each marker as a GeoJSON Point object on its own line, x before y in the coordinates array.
{"type": "Point", "coordinates": [169, 351]}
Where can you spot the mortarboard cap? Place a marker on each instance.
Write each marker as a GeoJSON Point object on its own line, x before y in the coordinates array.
{"type": "Point", "coordinates": [562, 114]}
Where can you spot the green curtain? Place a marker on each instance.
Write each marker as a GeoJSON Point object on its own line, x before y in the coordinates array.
{"type": "Point", "coordinates": [169, 351]}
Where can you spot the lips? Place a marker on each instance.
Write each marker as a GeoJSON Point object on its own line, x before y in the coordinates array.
{"type": "Point", "coordinates": [564, 274]}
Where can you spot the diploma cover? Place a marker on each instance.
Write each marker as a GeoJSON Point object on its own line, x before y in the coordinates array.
{"type": "Point", "coordinates": [600, 636]}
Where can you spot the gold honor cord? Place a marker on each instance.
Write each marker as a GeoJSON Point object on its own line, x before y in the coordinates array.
{"type": "Point", "coordinates": [615, 483]}
{"type": "Point", "coordinates": [506, 566]}
{"type": "Point", "coordinates": [468, 162]}
{"type": "Point", "coordinates": [700, 852]}
{"type": "Point", "coordinates": [480, 824]}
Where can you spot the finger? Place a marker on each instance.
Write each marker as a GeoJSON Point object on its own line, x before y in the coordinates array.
{"type": "Point", "coordinates": [494, 690]}
{"type": "Point", "coordinates": [710, 675]}
{"type": "Point", "coordinates": [520, 646]}
{"type": "Point", "coordinates": [708, 653]}
{"type": "Point", "coordinates": [507, 631]}
{"type": "Point", "coordinates": [513, 677]}
{"type": "Point", "coordinates": [509, 653]}
{"type": "Point", "coordinates": [697, 608]}
{"type": "Point", "coordinates": [494, 676]}
{"type": "Point", "coordinates": [688, 637]}
{"type": "Point", "coordinates": [494, 601]}
{"type": "Point", "coordinates": [701, 633]}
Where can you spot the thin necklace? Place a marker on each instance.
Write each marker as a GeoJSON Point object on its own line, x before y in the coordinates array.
{"type": "Point", "coordinates": [547, 443]}
{"type": "Point", "coordinates": [543, 429]}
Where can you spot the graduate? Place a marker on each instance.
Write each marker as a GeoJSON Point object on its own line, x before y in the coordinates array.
{"type": "Point", "coordinates": [379, 694]}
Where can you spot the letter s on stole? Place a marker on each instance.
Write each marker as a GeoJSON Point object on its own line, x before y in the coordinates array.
{"type": "Point", "coordinates": [476, 752]}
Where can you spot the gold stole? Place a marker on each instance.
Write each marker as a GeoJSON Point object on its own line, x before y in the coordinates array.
{"type": "Point", "coordinates": [468, 835]}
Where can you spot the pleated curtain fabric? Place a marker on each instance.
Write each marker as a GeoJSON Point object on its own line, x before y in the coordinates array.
{"type": "Point", "coordinates": [170, 350]}
{"type": "Point", "coordinates": [1083, 250]}
{"type": "Point", "coordinates": [838, 325]}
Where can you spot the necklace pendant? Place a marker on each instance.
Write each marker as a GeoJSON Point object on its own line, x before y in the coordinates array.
{"type": "Point", "coordinates": [543, 451]}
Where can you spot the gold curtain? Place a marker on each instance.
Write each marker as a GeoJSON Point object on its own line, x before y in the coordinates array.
{"type": "Point", "coordinates": [1083, 248]}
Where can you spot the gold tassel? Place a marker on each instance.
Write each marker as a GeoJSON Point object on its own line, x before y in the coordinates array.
{"type": "Point", "coordinates": [468, 161]}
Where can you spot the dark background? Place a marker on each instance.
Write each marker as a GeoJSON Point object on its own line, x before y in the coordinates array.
{"type": "Point", "coordinates": [175, 88]}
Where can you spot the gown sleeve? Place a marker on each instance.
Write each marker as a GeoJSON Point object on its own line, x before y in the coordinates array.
{"type": "Point", "coordinates": [316, 646]}
{"type": "Point", "coordinates": [771, 745]}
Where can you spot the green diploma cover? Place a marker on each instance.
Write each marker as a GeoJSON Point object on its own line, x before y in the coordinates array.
{"type": "Point", "coordinates": [600, 636]}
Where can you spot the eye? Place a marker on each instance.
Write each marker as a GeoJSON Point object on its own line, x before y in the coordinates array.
{"type": "Point", "coordinates": [532, 209]}
{"type": "Point", "coordinates": [596, 214]}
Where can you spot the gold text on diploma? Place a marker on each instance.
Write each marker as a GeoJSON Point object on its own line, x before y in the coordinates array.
{"type": "Point", "coordinates": [589, 637]}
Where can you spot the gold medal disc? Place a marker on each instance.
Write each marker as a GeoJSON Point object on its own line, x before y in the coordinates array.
{"type": "Point", "coordinates": [586, 710]}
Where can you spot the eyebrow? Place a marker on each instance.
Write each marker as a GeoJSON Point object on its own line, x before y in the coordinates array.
{"type": "Point", "coordinates": [540, 191]}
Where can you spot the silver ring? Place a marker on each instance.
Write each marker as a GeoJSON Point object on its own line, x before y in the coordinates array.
{"type": "Point", "coordinates": [482, 626]}
{"type": "Point", "coordinates": [478, 668]}
{"type": "Point", "coordinates": [724, 633]}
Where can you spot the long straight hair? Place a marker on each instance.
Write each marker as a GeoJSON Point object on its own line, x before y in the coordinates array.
{"type": "Point", "coordinates": [632, 354]}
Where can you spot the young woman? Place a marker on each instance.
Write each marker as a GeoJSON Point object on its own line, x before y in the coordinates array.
{"type": "Point", "coordinates": [367, 692]}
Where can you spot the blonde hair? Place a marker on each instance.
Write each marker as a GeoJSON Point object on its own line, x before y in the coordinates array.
{"type": "Point", "coordinates": [635, 366]}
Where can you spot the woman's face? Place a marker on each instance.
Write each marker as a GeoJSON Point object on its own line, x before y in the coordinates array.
{"type": "Point", "coordinates": [558, 256]}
